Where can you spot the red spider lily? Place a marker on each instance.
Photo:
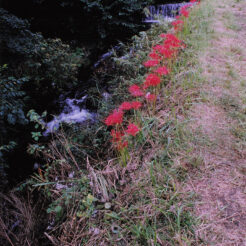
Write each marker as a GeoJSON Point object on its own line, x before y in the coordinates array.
{"type": "Point", "coordinates": [162, 70]}
{"type": "Point", "coordinates": [116, 136]}
{"type": "Point", "coordinates": [184, 12]}
{"type": "Point", "coordinates": [136, 105]}
{"type": "Point", "coordinates": [172, 40]}
{"type": "Point", "coordinates": [132, 129]}
{"type": "Point", "coordinates": [135, 91]}
{"type": "Point", "coordinates": [125, 106]}
{"type": "Point", "coordinates": [164, 50]}
{"type": "Point", "coordinates": [178, 25]}
{"type": "Point", "coordinates": [115, 118]}
{"type": "Point", "coordinates": [154, 55]}
{"type": "Point", "coordinates": [151, 80]}
{"type": "Point", "coordinates": [186, 6]}
{"type": "Point", "coordinates": [193, 1]}
{"type": "Point", "coordinates": [158, 48]}
{"type": "Point", "coordinates": [167, 51]}
{"type": "Point", "coordinates": [151, 63]}
{"type": "Point", "coordinates": [117, 139]}
{"type": "Point", "coordinates": [122, 145]}
{"type": "Point", "coordinates": [150, 97]}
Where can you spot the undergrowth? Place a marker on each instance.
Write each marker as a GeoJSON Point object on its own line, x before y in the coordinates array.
{"type": "Point", "coordinates": [95, 201]}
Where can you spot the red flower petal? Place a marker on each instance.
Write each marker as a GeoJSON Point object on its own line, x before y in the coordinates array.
{"type": "Point", "coordinates": [162, 70]}
{"type": "Point", "coordinates": [115, 118]}
{"type": "Point", "coordinates": [132, 129]}
{"type": "Point", "coordinates": [136, 105]}
{"type": "Point", "coordinates": [135, 91]}
{"type": "Point", "coordinates": [125, 106]}
{"type": "Point", "coordinates": [152, 80]}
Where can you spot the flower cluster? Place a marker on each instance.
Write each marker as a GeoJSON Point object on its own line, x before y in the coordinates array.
{"type": "Point", "coordinates": [151, 80]}
{"type": "Point", "coordinates": [151, 63]}
{"type": "Point", "coordinates": [136, 91]}
{"type": "Point", "coordinates": [184, 12]}
{"type": "Point", "coordinates": [161, 58]}
{"type": "Point", "coordinates": [130, 105]}
{"type": "Point", "coordinates": [117, 138]}
{"type": "Point", "coordinates": [115, 118]}
{"type": "Point", "coordinates": [178, 25]}
{"type": "Point", "coordinates": [132, 129]}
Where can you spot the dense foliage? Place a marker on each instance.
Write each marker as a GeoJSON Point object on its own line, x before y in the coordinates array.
{"type": "Point", "coordinates": [45, 46]}
{"type": "Point", "coordinates": [12, 100]}
{"type": "Point", "coordinates": [33, 72]}
{"type": "Point", "coordinates": [103, 21]}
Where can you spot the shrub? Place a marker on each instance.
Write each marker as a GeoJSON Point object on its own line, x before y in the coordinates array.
{"type": "Point", "coordinates": [12, 103]}
{"type": "Point", "coordinates": [95, 23]}
{"type": "Point", "coordinates": [47, 63]}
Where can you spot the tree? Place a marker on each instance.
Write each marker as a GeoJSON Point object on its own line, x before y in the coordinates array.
{"type": "Point", "coordinates": [96, 24]}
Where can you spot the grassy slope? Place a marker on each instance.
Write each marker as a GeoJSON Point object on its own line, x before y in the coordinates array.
{"type": "Point", "coordinates": [148, 205]}
{"type": "Point", "coordinates": [219, 116]}
{"type": "Point", "coordinates": [152, 201]}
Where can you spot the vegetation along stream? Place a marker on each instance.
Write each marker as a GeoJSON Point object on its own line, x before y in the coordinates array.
{"type": "Point", "coordinates": [65, 149]}
{"type": "Point", "coordinates": [52, 62]}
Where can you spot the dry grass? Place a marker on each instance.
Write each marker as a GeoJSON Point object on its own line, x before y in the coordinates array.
{"type": "Point", "coordinates": [187, 148]}
{"type": "Point", "coordinates": [220, 185]}
{"type": "Point", "coordinates": [143, 203]}
{"type": "Point", "coordinates": [17, 221]}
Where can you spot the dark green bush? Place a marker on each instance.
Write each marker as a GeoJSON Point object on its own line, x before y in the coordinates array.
{"type": "Point", "coordinates": [48, 63]}
{"type": "Point", "coordinates": [54, 66]}
{"type": "Point", "coordinates": [97, 24]}
{"type": "Point", "coordinates": [38, 71]}
{"type": "Point", "coordinates": [16, 39]}
{"type": "Point", "coordinates": [12, 103]}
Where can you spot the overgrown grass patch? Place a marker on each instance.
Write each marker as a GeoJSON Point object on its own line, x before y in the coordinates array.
{"type": "Point", "coordinates": [93, 199]}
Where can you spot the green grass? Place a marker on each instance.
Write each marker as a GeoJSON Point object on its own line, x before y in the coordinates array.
{"type": "Point", "coordinates": [143, 203]}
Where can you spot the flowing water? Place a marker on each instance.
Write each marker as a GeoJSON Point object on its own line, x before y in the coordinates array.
{"type": "Point", "coordinates": [163, 12]}
{"type": "Point", "coordinates": [73, 112]}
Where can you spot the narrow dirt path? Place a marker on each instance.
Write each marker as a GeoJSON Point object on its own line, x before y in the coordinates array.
{"type": "Point", "coordinates": [220, 121]}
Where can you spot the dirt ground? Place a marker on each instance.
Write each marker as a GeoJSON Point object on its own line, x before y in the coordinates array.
{"type": "Point", "coordinates": [220, 182]}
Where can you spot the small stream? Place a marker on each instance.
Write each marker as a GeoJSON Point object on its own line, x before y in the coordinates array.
{"type": "Point", "coordinates": [164, 12]}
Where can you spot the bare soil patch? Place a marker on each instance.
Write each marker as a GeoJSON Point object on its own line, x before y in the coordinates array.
{"type": "Point", "coordinates": [220, 184]}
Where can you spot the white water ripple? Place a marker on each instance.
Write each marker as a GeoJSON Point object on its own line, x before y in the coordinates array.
{"type": "Point", "coordinates": [72, 113]}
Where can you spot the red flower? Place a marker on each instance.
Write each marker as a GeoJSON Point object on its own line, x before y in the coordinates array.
{"type": "Point", "coordinates": [125, 106]}
{"type": "Point", "coordinates": [184, 12]}
{"type": "Point", "coordinates": [135, 91]}
{"type": "Point", "coordinates": [172, 41]}
{"type": "Point", "coordinates": [122, 145]}
{"type": "Point", "coordinates": [170, 45]}
{"type": "Point", "coordinates": [158, 48]}
{"type": "Point", "coordinates": [136, 105]}
{"type": "Point", "coordinates": [162, 70]}
{"type": "Point", "coordinates": [154, 55]}
{"type": "Point", "coordinates": [151, 80]}
{"type": "Point", "coordinates": [150, 97]}
{"type": "Point", "coordinates": [117, 138]}
{"type": "Point", "coordinates": [132, 129]}
{"type": "Point", "coordinates": [178, 25]}
{"type": "Point", "coordinates": [115, 118]}
{"type": "Point", "coordinates": [164, 50]}
{"type": "Point", "coordinates": [116, 135]}
{"type": "Point", "coordinates": [151, 63]}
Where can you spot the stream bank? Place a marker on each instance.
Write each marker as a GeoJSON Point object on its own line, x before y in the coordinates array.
{"type": "Point", "coordinates": [76, 106]}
